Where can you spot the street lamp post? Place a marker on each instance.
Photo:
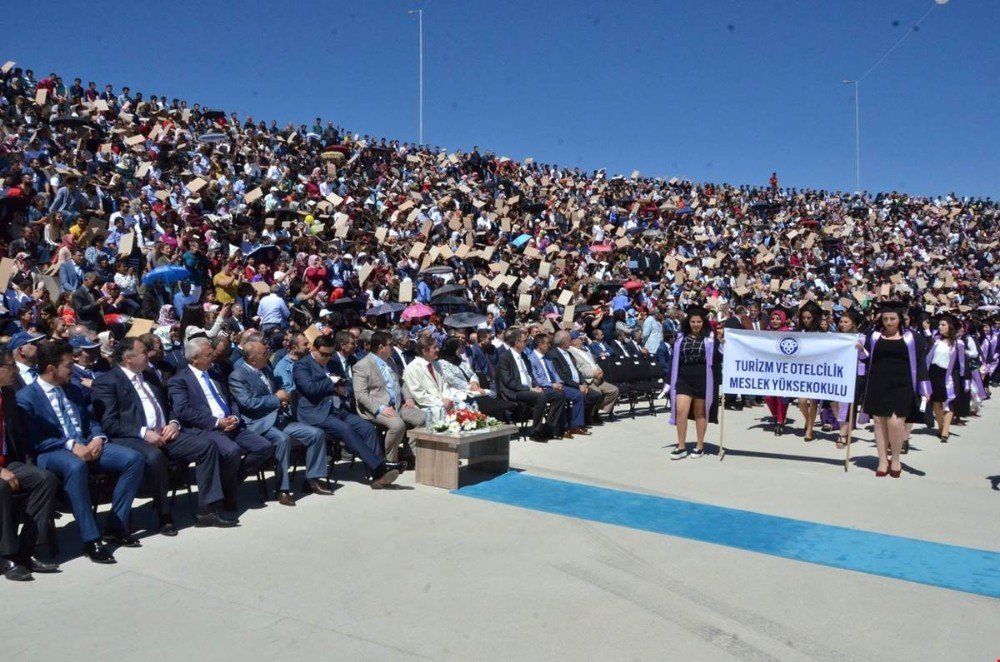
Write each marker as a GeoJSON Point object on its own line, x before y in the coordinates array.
{"type": "Point", "coordinates": [420, 27]}
{"type": "Point", "coordinates": [857, 134]}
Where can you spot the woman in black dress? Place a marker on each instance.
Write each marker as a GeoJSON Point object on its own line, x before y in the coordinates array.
{"type": "Point", "coordinates": [897, 381]}
{"type": "Point", "coordinates": [810, 317]}
{"type": "Point", "coordinates": [694, 380]}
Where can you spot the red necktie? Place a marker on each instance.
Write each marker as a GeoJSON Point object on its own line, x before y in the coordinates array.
{"type": "Point", "coordinates": [430, 368]}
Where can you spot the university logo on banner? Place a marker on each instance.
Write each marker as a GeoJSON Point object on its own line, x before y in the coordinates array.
{"type": "Point", "coordinates": [821, 366]}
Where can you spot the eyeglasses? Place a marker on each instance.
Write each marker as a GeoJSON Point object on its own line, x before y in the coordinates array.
{"type": "Point", "coordinates": [324, 354]}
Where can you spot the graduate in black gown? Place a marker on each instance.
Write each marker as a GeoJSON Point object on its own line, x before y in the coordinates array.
{"type": "Point", "coordinates": [897, 387]}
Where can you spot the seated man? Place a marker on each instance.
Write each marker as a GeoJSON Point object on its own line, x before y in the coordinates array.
{"type": "Point", "coordinates": [425, 382]}
{"type": "Point", "coordinates": [573, 422]}
{"type": "Point", "coordinates": [18, 477]}
{"type": "Point", "coordinates": [267, 411]}
{"type": "Point", "coordinates": [201, 403]}
{"type": "Point", "coordinates": [379, 394]}
{"type": "Point", "coordinates": [515, 383]}
{"type": "Point", "coordinates": [131, 406]}
{"type": "Point", "coordinates": [298, 346]}
{"type": "Point", "coordinates": [569, 374]}
{"type": "Point", "coordinates": [321, 405]}
{"type": "Point", "coordinates": [598, 347]}
{"type": "Point", "coordinates": [592, 373]}
{"type": "Point", "coordinates": [70, 443]}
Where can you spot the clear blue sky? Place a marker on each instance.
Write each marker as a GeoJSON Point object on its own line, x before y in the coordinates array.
{"type": "Point", "coordinates": [712, 90]}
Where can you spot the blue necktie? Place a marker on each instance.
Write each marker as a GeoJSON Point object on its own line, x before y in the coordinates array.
{"type": "Point", "coordinates": [215, 394]}
{"type": "Point", "coordinates": [389, 382]}
{"type": "Point", "coordinates": [71, 426]}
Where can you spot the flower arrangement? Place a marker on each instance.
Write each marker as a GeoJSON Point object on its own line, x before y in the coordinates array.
{"type": "Point", "coordinates": [464, 420]}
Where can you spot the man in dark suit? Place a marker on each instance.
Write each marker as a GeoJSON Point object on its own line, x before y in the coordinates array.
{"type": "Point", "coordinates": [402, 353]}
{"type": "Point", "coordinates": [19, 477]}
{"type": "Point", "coordinates": [159, 368]}
{"type": "Point", "coordinates": [130, 404]}
{"type": "Point", "coordinates": [480, 359]}
{"type": "Point", "coordinates": [342, 365]}
{"type": "Point", "coordinates": [569, 374]}
{"type": "Point", "coordinates": [266, 411]}
{"type": "Point", "coordinates": [599, 348]}
{"type": "Point", "coordinates": [88, 310]}
{"type": "Point", "coordinates": [320, 397]}
{"type": "Point", "coordinates": [202, 403]}
{"type": "Point", "coordinates": [70, 443]}
{"type": "Point", "coordinates": [514, 383]}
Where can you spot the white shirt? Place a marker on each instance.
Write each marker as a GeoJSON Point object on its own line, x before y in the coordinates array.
{"type": "Point", "coordinates": [521, 368]}
{"type": "Point", "coordinates": [942, 354]}
{"type": "Point", "coordinates": [23, 369]}
{"type": "Point", "coordinates": [213, 404]}
{"type": "Point", "coordinates": [150, 407]}
{"type": "Point", "coordinates": [572, 365]}
{"type": "Point", "coordinates": [71, 428]}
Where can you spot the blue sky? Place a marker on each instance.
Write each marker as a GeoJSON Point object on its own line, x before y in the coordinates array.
{"type": "Point", "coordinates": [712, 90]}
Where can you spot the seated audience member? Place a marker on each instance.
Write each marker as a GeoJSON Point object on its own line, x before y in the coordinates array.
{"type": "Point", "coordinates": [320, 404]}
{"type": "Point", "coordinates": [546, 377]}
{"type": "Point", "coordinates": [459, 375]}
{"type": "Point", "coordinates": [593, 374]}
{"type": "Point", "coordinates": [130, 404]}
{"type": "Point", "coordinates": [379, 394]}
{"type": "Point", "coordinates": [568, 372]}
{"type": "Point", "coordinates": [267, 411]}
{"type": "Point", "coordinates": [424, 381]}
{"type": "Point", "coordinates": [19, 477]}
{"type": "Point", "coordinates": [204, 404]}
{"type": "Point", "coordinates": [67, 440]}
{"type": "Point", "coordinates": [515, 382]}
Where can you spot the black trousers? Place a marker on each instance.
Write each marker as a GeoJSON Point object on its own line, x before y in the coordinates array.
{"type": "Point", "coordinates": [188, 446]}
{"type": "Point", "coordinates": [551, 398]}
{"type": "Point", "coordinates": [592, 399]}
{"type": "Point", "coordinates": [38, 488]}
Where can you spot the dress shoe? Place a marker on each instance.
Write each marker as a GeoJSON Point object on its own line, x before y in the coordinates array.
{"type": "Point", "coordinates": [14, 571]}
{"type": "Point", "coordinates": [35, 564]}
{"type": "Point", "coordinates": [97, 552]}
{"type": "Point", "coordinates": [384, 476]}
{"type": "Point", "coordinates": [215, 519]}
{"type": "Point", "coordinates": [542, 439]}
{"type": "Point", "coordinates": [316, 486]}
{"type": "Point", "coordinates": [286, 499]}
{"type": "Point", "coordinates": [565, 435]}
{"type": "Point", "coordinates": [597, 420]}
{"type": "Point", "coordinates": [895, 473]}
{"type": "Point", "coordinates": [584, 431]}
{"type": "Point", "coordinates": [167, 527]}
{"type": "Point", "coordinates": [122, 540]}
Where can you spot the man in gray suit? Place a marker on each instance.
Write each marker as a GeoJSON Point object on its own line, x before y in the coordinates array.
{"type": "Point", "coordinates": [266, 411]}
{"type": "Point", "coordinates": [382, 399]}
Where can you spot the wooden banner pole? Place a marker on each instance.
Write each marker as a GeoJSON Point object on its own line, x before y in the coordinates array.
{"type": "Point", "coordinates": [850, 432]}
{"type": "Point", "coordinates": [722, 427]}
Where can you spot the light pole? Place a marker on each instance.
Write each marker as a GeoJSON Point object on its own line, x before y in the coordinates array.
{"type": "Point", "coordinates": [420, 27]}
{"type": "Point", "coordinates": [857, 99]}
{"type": "Point", "coordinates": [857, 134]}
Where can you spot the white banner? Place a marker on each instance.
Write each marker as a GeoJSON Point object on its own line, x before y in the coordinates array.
{"type": "Point", "coordinates": [820, 366]}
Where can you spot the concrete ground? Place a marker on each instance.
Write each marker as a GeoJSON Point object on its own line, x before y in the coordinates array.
{"type": "Point", "coordinates": [418, 572]}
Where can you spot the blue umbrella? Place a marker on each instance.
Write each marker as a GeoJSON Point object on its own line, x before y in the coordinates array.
{"type": "Point", "coordinates": [521, 240]}
{"type": "Point", "coordinates": [168, 274]}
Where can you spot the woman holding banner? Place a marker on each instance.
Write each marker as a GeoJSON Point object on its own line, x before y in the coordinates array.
{"type": "Point", "coordinates": [694, 381]}
{"type": "Point", "coordinates": [777, 405]}
{"type": "Point", "coordinates": [897, 381]}
{"type": "Point", "coordinates": [809, 321]}
{"type": "Point", "coordinates": [850, 322]}
{"type": "Point", "coordinates": [946, 369]}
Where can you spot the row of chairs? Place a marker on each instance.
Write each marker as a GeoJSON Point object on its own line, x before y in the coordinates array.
{"type": "Point", "coordinates": [638, 379]}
